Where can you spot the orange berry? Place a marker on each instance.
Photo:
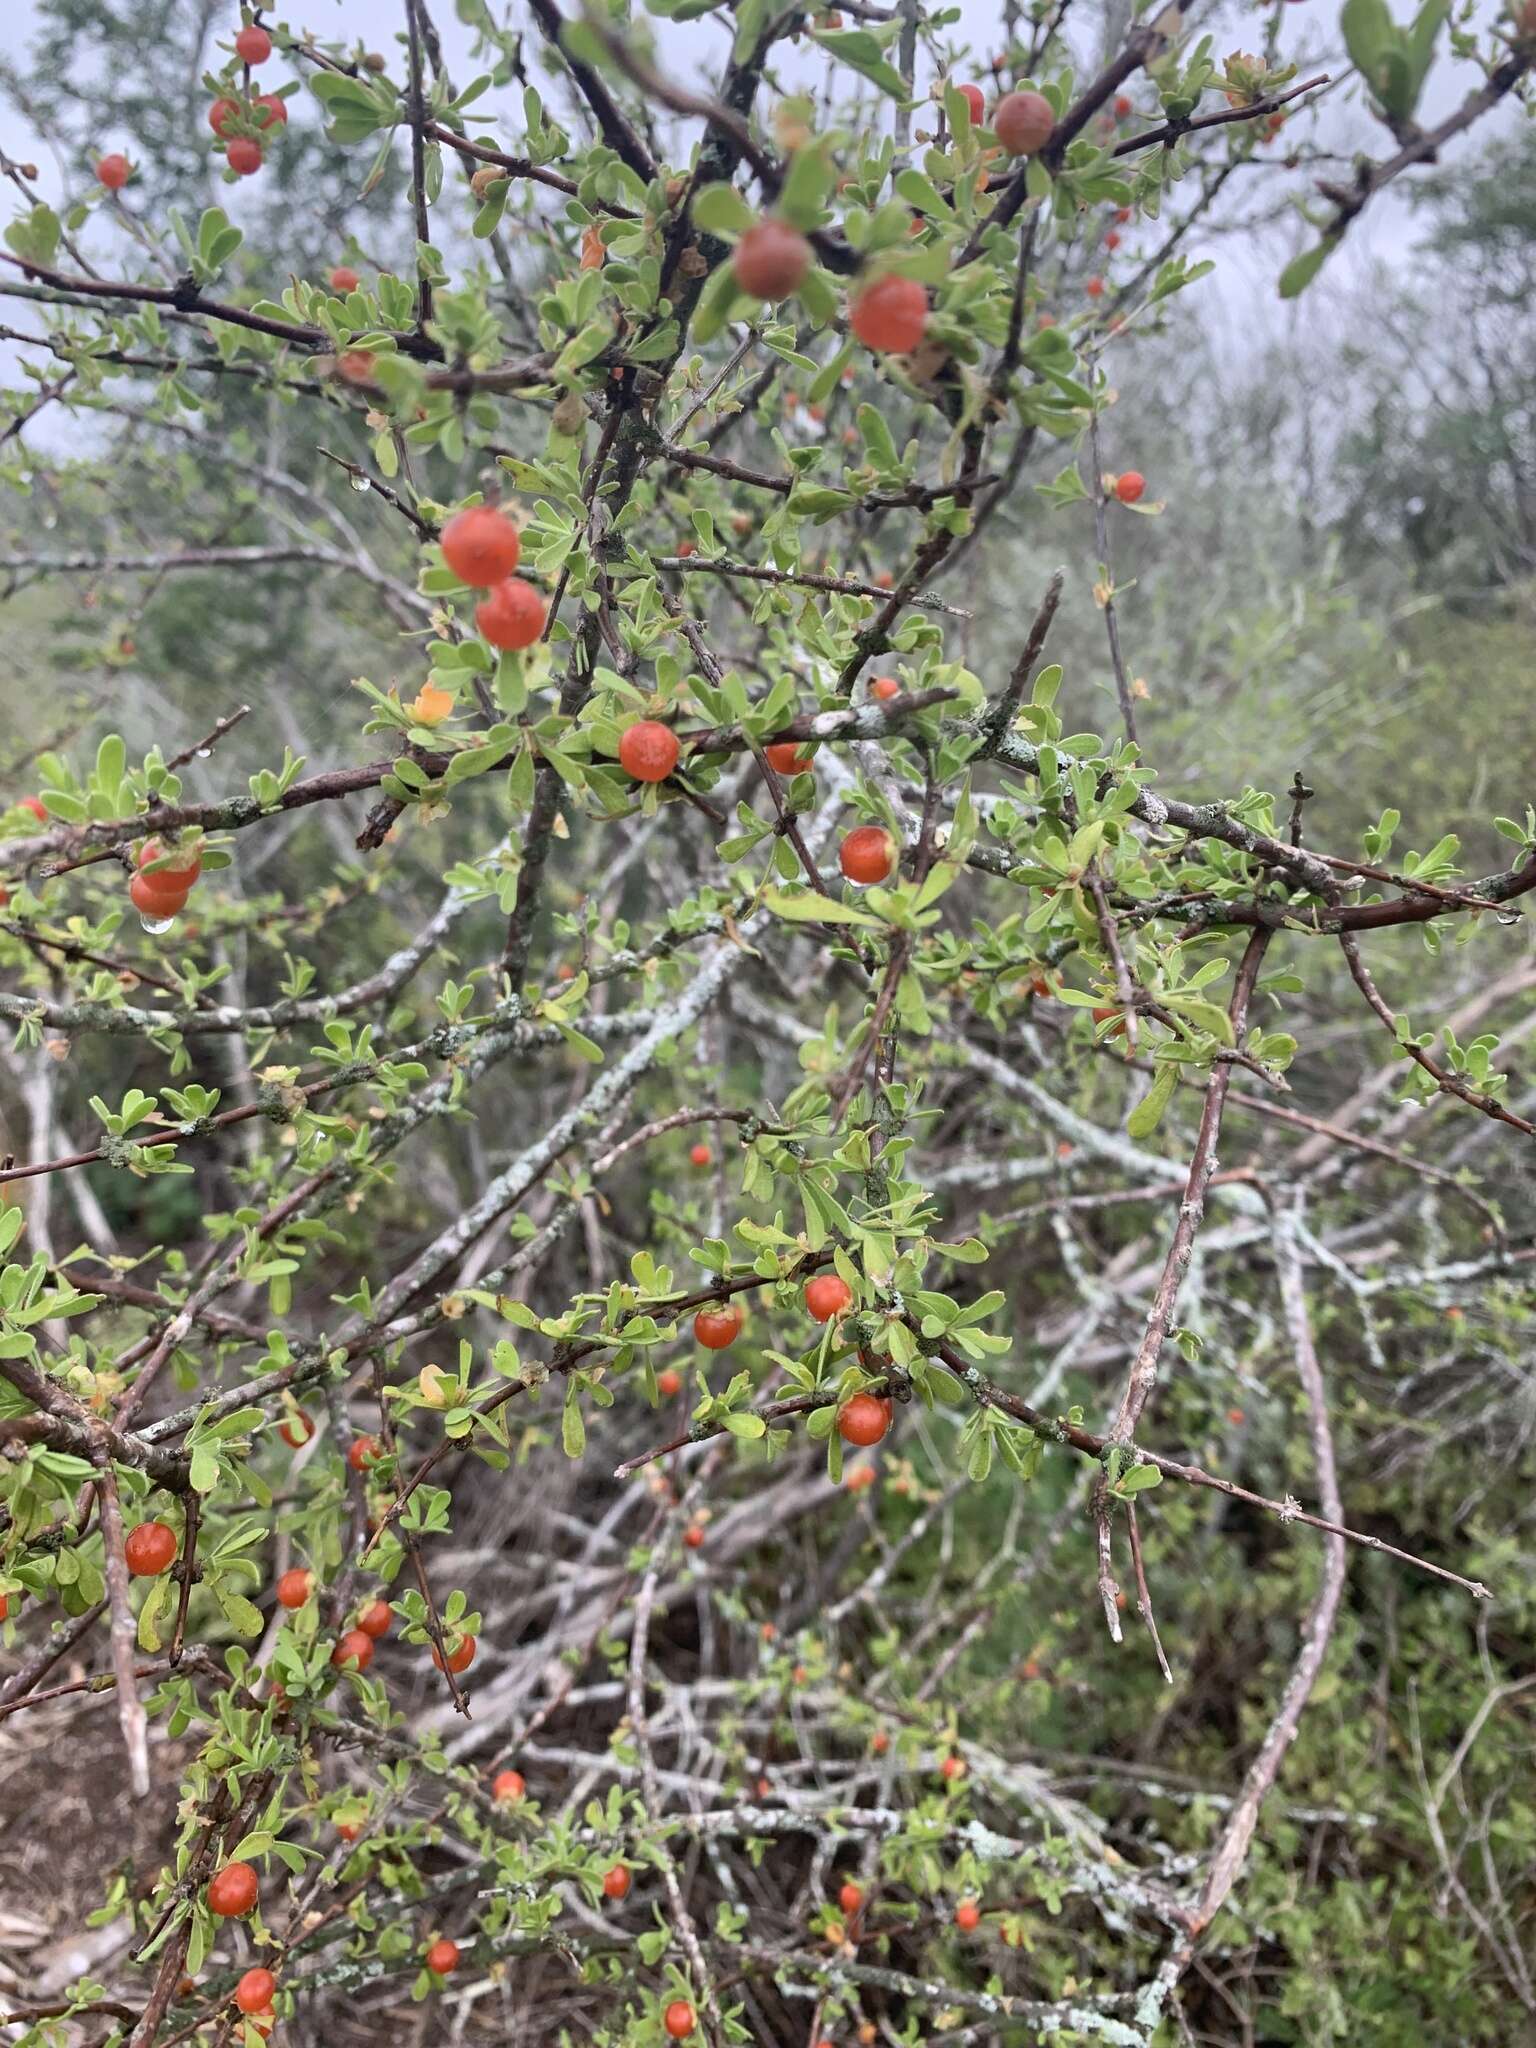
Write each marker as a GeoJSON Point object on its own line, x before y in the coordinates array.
{"type": "Point", "coordinates": [255, 1990]}
{"type": "Point", "coordinates": [344, 278]}
{"type": "Point", "coordinates": [867, 855]}
{"type": "Point", "coordinates": [157, 895]}
{"type": "Point", "coordinates": [1023, 123]}
{"type": "Point", "coordinates": [507, 1787]}
{"type": "Point", "coordinates": [362, 1452]}
{"type": "Point", "coordinates": [511, 615]}
{"type": "Point", "coordinates": [967, 1916]}
{"type": "Point", "coordinates": [481, 546]}
{"type": "Point", "coordinates": [771, 260]}
{"type": "Point", "coordinates": [354, 1652]}
{"type": "Point", "coordinates": [669, 1383]}
{"type": "Point", "coordinates": [297, 1430]}
{"type": "Point", "coordinates": [827, 1296]}
{"type": "Point", "coordinates": [952, 1769]}
{"type": "Point", "coordinates": [243, 156]}
{"type": "Point", "coordinates": [617, 1880]}
{"type": "Point", "coordinates": [112, 171]}
{"type": "Point", "coordinates": [442, 1958]}
{"type": "Point", "coordinates": [693, 1536]}
{"type": "Point", "coordinates": [851, 1898]}
{"type": "Point", "coordinates": [864, 1420]}
{"type": "Point", "coordinates": [460, 1656]}
{"type": "Point", "coordinates": [785, 758]}
{"type": "Point", "coordinates": [975, 101]}
{"type": "Point", "coordinates": [678, 2019]}
{"type": "Point", "coordinates": [718, 1328]}
{"type": "Point", "coordinates": [884, 688]}
{"type": "Point", "coordinates": [1094, 287]}
{"type": "Point", "coordinates": [293, 1587]}
{"type": "Point", "coordinates": [233, 1891]}
{"type": "Point", "coordinates": [648, 750]}
{"type": "Point", "coordinates": [375, 1619]}
{"type": "Point", "coordinates": [150, 1549]}
{"type": "Point", "coordinates": [1129, 487]}
{"type": "Point", "coordinates": [890, 315]}
{"type": "Point", "coordinates": [253, 45]}
{"type": "Point", "coordinates": [700, 1154]}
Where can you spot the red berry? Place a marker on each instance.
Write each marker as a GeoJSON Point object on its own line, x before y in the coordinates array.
{"type": "Point", "coordinates": [1112, 240]}
{"type": "Point", "coordinates": [344, 278]}
{"type": "Point", "coordinates": [1023, 122]}
{"type": "Point", "coordinates": [443, 1958]}
{"type": "Point", "coordinates": [178, 864]}
{"type": "Point", "coordinates": [976, 100]}
{"type": "Point", "coordinates": [233, 1891]}
{"type": "Point", "coordinates": [717, 1328]}
{"type": "Point", "coordinates": [678, 2019]}
{"type": "Point", "coordinates": [884, 580]}
{"type": "Point", "coordinates": [700, 1154]}
{"type": "Point", "coordinates": [221, 113]}
{"type": "Point", "coordinates": [771, 260]}
{"type": "Point", "coordinates": [617, 1880]}
{"type": "Point", "coordinates": [255, 1990]}
{"type": "Point", "coordinates": [785, 758]}
{"type": "Point", "coordinates": [150, 1549]}
{"type": "Point", "coordinates": [669, 1383]}
{"type": "Point", "coordinates": [827, 1296]}
{"type": "Point", "coordinates": [967, 1916]}
{"type": "Point", "coordinates": [243, 156]}
{"type": "Point", "coordinates": [354, 1652]}
{"type": "Point", "coordinates": [885, 688]}
{"type": "Point", "coordinates": [868, 854]}
{"type": "Point", "coordinates": [157, 895]}
{"type": "Point", "coordinates": [297, 1430]}
{"type": "Point", "coordinates": [253, 45]}
{"type": "Point", "coordinates": [375, 1619]}
{"type": "Point", "coordinates": [273, 109]}
{"type": "Point", "coordinates": [864, 1420]}
{"type": "Point", "coordinates": [693, 1536]}
{"type": "Point", "coordinates": [112, 171]}
{"type": "Point", "coordinates": [686, 548]}
{"type": "Point", "coordinates": [508, 1786]}
{"type": "Point", "coordinates": [1122, 104]}
{"type": "Point", "coordinates": [36, 806]}
{"type": "Point", "coordinates": [511, 615]}
{"type": "Point", "coordinates": [460, 1656]}
{"type": "Point", "coordinates": [362, 1452]}
{"type": "Point", "coordinates": [481, 546]}
{"type": "Point", "coordinates": [1122, 214]}
{"type": "Point", "coordinates": [1129, 487]}
{"type": "Point", "coordinates": [648, 750]}
{"type": "Point", "coordinates": [349, 1830]}
{"type": "Point", "coordinates": [953, 1767]}
{"type": "Point", "coordinates": [890, 315]}
{"type": "Point", "coordinates": [851, 1898]}
{"type": "Point", "coordinates": [5, 1605]}
{"type": "Point", "coordinates": [1094, 287]}
{"type": "Point", "coordinates": [293, 1587]}
{"type": "Point", "coordinates": [355, 365]}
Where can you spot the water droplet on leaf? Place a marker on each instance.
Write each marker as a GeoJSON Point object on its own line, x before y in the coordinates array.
{"type": "Point", "coordinates": [156, 925]}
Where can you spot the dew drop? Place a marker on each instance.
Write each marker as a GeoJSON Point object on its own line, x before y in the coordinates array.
{"type": "Point", "coordinates": [50, 520]}
{"type": "Point", "coordinates": [360, 483]}
{"type": "Point", "coordinates": [1506, 917]}
{"type": "Point", "coordinates": [156, 925]}
{"type": "Point", "coordinates": [205, 753]}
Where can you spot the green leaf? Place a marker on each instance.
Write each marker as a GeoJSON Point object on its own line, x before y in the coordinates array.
{"type": "Point", "coordinates": [1148, 1113]}
{"type": "Point", "coordinates": [860, 49]}
{"type": "Point", "coordinates": [1301, 270]}
{"type": "Point", "coordinates": [809, 908]}
{"type": "Point", "coordinates": [721, 210]}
